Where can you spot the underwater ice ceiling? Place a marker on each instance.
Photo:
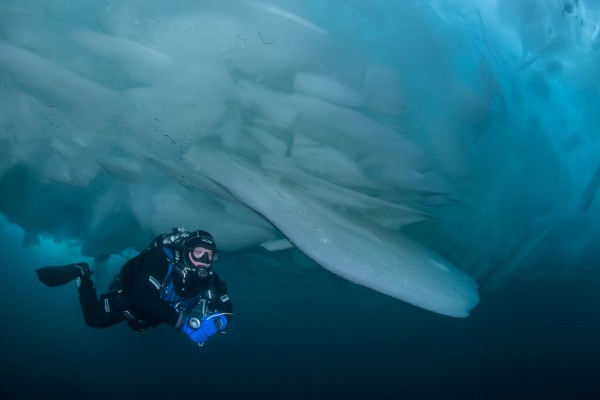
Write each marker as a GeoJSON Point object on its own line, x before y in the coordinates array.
{"type": "Point", "coordinates": [418, 148]}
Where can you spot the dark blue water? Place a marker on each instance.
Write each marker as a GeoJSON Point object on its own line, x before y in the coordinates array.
{"type": "Point", "coordinates": [303, 334]}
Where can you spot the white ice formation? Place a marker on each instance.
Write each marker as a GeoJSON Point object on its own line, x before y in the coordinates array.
{"type": "Point", "coordinates": [418, 148]}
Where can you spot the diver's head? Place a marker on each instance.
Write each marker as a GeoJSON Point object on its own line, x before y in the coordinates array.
{"type": "Point", "coordinates": [200, 250]}
{"type": "Point", "coordinates": [199, 253]}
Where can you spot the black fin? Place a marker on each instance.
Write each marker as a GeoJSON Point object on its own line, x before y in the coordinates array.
{"type": "Point", "coordinates": [58, 276]}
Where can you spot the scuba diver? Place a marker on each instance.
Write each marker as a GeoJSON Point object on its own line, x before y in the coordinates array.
{"type": "Point", "coordinates": [170, 282]}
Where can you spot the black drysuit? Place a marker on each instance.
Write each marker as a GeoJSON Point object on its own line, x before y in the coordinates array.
{"type": "Point", "coordinates": [145, 295]}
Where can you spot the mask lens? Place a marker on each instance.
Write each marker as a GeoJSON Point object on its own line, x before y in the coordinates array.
{"type": "Point", "coordinates": [202, 255]}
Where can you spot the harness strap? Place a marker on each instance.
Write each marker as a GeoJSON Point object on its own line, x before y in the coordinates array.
{"type": "Point", "coordinates": [169, 276]}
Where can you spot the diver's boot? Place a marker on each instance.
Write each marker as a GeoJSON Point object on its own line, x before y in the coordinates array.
{"type": "Point", "coordinates": [57, 276]}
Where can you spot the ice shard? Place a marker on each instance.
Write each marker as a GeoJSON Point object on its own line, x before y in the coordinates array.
{"type": "Point", "coordinates": [347, 246]}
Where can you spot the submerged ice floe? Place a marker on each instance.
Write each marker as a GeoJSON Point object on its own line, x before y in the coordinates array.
{"type": "Point", "coordinates": [421, 149]}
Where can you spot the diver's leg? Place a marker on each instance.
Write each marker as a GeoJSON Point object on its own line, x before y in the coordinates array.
{"type": "Point", "coordinates": [98, 312]}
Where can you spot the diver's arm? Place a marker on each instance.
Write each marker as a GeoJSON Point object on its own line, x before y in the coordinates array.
{"type": "Point", "coordinates": [220, 302]}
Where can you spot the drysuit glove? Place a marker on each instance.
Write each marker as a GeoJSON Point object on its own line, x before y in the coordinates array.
{"type": "Point", "coordinates": [200, 330]}
{"type": "Point", "coordinates": [218, 320]}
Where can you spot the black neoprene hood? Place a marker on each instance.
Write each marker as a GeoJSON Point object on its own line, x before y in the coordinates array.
{"type": "Point", "coordinates": [200, 239]}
